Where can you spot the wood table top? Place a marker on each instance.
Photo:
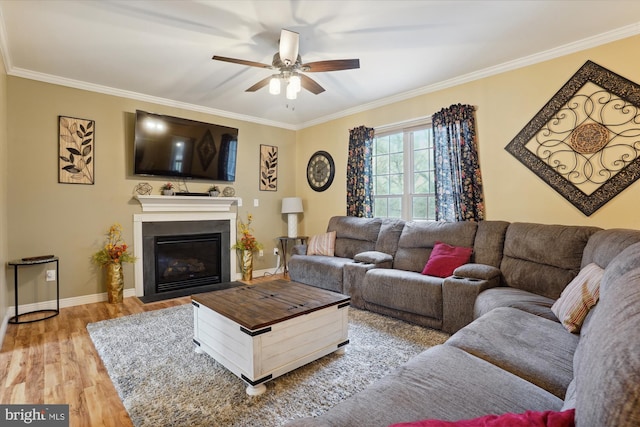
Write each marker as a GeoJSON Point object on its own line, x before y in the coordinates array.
{"type": "Point", "coordinates": [258, 306]}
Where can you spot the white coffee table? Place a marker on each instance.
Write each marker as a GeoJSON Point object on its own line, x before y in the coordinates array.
{"type": "Point", "coordinates": [262, 331]}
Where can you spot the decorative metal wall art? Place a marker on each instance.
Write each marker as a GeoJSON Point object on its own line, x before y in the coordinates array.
{"type": "Point", "coordinates": [143, 189]}
{"type": "Point", "coordinates": [585, 142]}
{"type": "Point", "coordinates": [75, 150]}
{"type": "Point", "coordinates": [268, 168]}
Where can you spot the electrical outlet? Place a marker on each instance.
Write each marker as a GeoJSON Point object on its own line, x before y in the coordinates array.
{"type": "Point", "coordinates": [276, 251]}
{"type": "Point", "coordinates": [50, 276]}
{"type": "Point", "coordinates": [261, 252]}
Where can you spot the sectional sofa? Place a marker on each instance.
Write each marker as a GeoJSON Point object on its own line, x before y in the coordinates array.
{"type": "Point", "coordinates": [509, 353]}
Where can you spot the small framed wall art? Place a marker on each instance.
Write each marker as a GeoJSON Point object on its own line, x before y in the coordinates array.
{"type": "Point", "coordinates": [268, 168]}
{"type": "Point", "coordinates": [76, 139]}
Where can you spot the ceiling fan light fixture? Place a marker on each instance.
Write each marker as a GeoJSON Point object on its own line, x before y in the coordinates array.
{"type": "Point", "coordinates": [274, 85]}
{"type": "Point", "coordinates": [295, 81]}
{"type": "Point", "coordinates": [291, 91]}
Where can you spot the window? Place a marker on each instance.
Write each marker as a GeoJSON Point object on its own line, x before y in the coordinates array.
{"type": "Point", "coordinates": [403, 173]}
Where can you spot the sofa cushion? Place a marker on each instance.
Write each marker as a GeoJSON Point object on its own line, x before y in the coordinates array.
{"type": "Point", "coordinates": [446, 258]}
{"type": "Point", "coordinates": [322, 244]}
{"type": "Point", "coordinates": [390, 231]}
{"type": "Point", "coordinates": [570, 396]}
{"type": "Point", "coordinates": [354, 235]}
{"type": "Point", "coordinates": [321, 271]}
{"type": "Point", "coordinates": [607, 361]}
{"type": "Point", "coordinates": [527, 419]}
{"type": "Point", "coordinates": [419, 237]}
{"type": "Point", "coordinates": [404, 290]}
{"type": "Point", "coordinates": [578, 297]}
{"type": "Point", "coordinates": [542, 258]}
{"type": "Point", "coordinates": [489, 242]}
{"type": "Point", "coordinates": [535, 349]}
{"type": "Point", "coordinates": [604, 245]}
{"type": "Point", "coordinates": [516, 298]}
{"type": "Point", "coordinates": [442, 382]}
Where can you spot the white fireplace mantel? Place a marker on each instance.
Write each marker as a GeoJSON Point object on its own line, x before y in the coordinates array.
{"type": "Point", "coordinates": [186, 203]}
{"type": "Point", "coordinates": [181, 208]}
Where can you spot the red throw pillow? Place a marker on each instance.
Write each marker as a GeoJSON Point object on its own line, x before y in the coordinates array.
{"type": "Point", "coordinates": [528, 419]}
{"type": "Point", "coordinates": [446, 258]}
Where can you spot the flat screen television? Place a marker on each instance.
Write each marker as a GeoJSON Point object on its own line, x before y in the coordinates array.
{"type": "Point", "coordinates": [173, 147]}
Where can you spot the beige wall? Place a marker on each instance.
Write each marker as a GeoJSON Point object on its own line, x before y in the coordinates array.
{"type": "Point", "coordinates": [4, 241]}
{"type": "Point", "coordinates": [70, 220]}
{"type": "Point", "coordinates": [505, 103]}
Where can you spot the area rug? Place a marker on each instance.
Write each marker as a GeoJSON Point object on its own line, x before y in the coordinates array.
{"type": "Point", "coordinates": [151, 361]}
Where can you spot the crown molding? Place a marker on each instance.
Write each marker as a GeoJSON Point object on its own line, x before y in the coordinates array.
{"type": "Point", "coordinates": [107, 90]}
{"type": "Point", "coordinates": [569, 48]}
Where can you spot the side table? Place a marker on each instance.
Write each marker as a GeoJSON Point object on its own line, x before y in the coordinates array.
{"type": "Point", "coordinates": [34, 261]}
{"type": "Point", "coordinates": [284, 242]}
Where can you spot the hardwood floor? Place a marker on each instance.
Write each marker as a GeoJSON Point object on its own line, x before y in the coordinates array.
{"type": "Point", "coordinates": [54, 362]}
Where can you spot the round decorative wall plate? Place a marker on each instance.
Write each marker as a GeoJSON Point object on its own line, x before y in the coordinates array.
{"type": "Point", "coordinates": [320, 171]}
{"type": "Point", "coordinates": [228, 192]}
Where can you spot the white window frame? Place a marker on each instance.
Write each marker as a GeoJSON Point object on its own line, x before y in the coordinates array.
{"type": "Point", "coordinates": [406, 128]}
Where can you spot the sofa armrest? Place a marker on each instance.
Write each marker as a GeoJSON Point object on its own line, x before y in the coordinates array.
{"type": "Point", "coordinates": [379, 259]}
{"type": "Point", "coordinates": [299, 250]}
{"type": "Point", "coordinates": [353, 278]}
{"type": "Point", "coordinates": [477, 271]}
{"type": "Point", "coordinates": [459, 294]}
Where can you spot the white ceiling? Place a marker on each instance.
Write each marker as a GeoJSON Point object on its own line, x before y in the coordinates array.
{"type": "Point", "coordinates": [161, 51]}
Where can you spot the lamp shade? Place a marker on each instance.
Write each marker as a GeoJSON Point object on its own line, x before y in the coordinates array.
{"type": "Point", "coordinates": [292, 205]}
{"type": "Point", "coordinates": [274, 85]}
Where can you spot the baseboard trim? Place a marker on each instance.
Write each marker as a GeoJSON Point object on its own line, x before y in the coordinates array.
{"type": "Point", "coordinates": [81, 300]}
{"type": "Point", "coordinates": [65, 302]}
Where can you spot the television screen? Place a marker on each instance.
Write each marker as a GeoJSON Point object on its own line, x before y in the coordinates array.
{"type": "Point", "coordinates": [180, 148]}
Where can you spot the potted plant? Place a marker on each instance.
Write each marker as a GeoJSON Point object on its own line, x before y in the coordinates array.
{"type": "Point", "coordinates": [214, 191]}
{"type": "Point", "coordinates": [167, 189]}
{"type": "Point", "coordinates": [245, 246]}
{"type": "Point", "coordinates": [114, 252]}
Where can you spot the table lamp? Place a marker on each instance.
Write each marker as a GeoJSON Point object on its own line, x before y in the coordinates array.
{"type": "Point", "coordinates": [292, 206]}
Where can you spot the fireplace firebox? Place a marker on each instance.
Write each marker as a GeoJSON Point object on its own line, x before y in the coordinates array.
{"type": "Point", "coordinates": [184, 257]}
{"type": "Point", "coordinates": [187, 260]}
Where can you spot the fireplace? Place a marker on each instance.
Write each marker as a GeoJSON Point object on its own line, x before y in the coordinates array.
{"type": "Point", "coordinates": [184, 257]}
{"type": "Point", "coordinates": [186, 261]}
{"type": "Point", "coordinates": [183, 246]}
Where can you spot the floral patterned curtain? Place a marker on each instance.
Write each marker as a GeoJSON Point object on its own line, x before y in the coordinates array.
{"type": "Point", "coordinates": [360, 173]}
{"type": "Point", "coordinates": [458, 181]}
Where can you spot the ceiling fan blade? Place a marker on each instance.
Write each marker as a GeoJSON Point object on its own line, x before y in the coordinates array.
{"type": "Point", "coordinates": [289, 43]}
{"type": "Point", "coordinates": [241, 62]}
{"type": "Point", "coordinates": [262, 83]}
{"type": "Point", "coordinates": [310, 85]}
{"type": "Point", "coordinates": [331, 65]}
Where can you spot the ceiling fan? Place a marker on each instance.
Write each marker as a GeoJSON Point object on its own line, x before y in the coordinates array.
{"type": "Point", "coordinates": [288, 63]}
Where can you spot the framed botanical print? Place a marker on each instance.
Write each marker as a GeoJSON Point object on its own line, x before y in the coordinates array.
{"type": "Point", "coordinates": [268, 168]}
{"type": "Point", "coordinates": [76, 139]}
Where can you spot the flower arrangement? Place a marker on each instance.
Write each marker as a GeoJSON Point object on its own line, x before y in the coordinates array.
{"type": "Point", "coordinates": [167, 186]}
{"type": "Point", "coordinates": [246, 241]}
{"type": "Point", "coordinates": [214, 188]}
{"type": "Point", "coordinates": [115, 250]}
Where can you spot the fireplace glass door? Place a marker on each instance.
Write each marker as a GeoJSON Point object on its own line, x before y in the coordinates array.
{"type": "Point", "coordinates": [184, 261]}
